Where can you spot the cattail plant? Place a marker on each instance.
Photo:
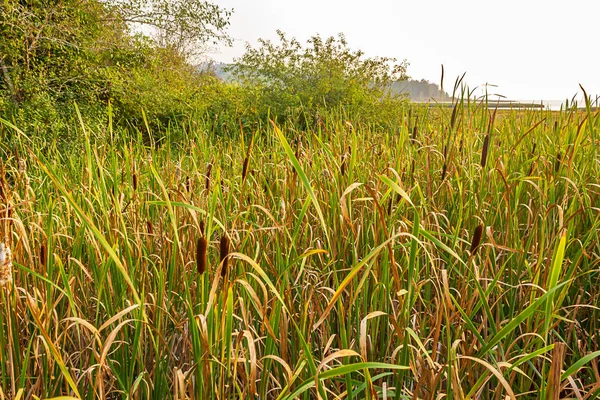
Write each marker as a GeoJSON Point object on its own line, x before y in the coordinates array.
{"type": "Point", "coordinates": [224, 252]}
{"type": "Point", "coordinates": [201, 247]}
{"type": "Point", "coordinates": [149, 228]}
{"type": "Point", "coordinates": [177, 171]}
{"type": "Point", "coordinates": [476, 239]}
{"type": "Point", "coordinates": [415, 132]}
{"type": "Point", "coordinates": [245, 169]}
{"type": "Point", "coordinates": [134, 180]}
{"type": "Point", "coordinates": [2, 187]}
{"type": "Point", "coordinates": [43, 258]}
{"type": "Point", "coordinates": [484, 150]}
{"type": "Point", "coordinates": [5, 265]}
{"type": "Point", "coordinates": [558, 162]}
{"type": "Point", "coordinates": [208, 172]}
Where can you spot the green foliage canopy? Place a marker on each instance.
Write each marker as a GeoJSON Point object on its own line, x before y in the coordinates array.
{"type": "Point", "coordinates": [324, 73]}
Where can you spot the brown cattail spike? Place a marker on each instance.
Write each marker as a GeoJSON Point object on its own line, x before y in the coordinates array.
{"type": "Point", "coordinates": [202, 228]}
{"type": "Point", "coordinates": [43, 255]}
{"type": "Point", "coordinates": [134, 180]}
{"type": "Point", "coordinates": [201, 247]}
{"type": "Point", "coordinates": [484, 150]}
{"type": "Point", "coordinates": [453, 117]}
{"type": "Point", "coordinates": [245, 169]}
{"type": "Point", "coordinates": [224, 252]}
{"type": "Point", "coordinates": [558, 162]}
{"type": "Point", "coordinates": [149, 228]}
{"type": "Point", "coordinates": [5, 265]}
{"type": "Point", "coordinates": [208, 172]}
{"type": "Point", "coordinates": [476, 239]}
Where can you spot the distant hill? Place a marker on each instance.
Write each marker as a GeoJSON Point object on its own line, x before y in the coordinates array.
{"type": "Point", "coordinates": [417, 90]}
{"type": "Point", "coordinates": [420, 90]}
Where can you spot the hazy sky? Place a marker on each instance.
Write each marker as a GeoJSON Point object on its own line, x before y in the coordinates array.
{"type": "Point", "coordinates": [529, 49]}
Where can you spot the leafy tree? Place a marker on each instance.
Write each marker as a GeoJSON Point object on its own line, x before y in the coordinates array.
{"type": "Point", "coordinates": [54, 53]}
{"type": "Point", "coordinates": [185, 25]}
{"type": "Point", "coordinates": [324, 73]}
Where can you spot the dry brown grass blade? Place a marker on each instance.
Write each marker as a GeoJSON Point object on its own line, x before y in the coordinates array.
{"type": "Point", "coordinates": [525, 134]}
{"type": "Point", "coordinates": [288, 371]}
{"type": "Point", "coordinates": [258, 305]}
{"type": "Point", "coordinates": [363, 331]}
{"type": "Point", "coordinates": [253, 363]}
{"type": "Point", "coordinates": [558, 356]}
{"type": "Point", "coordinates": [35, 312]}
{"type": "Point", "coordinates": [331, 357]}
{"type": "Point", "coordinates": [117, 316]}
{"type": "Point", "coordinates": [344, 206]}
{"type": "Point", "coordinates": [495, 372]}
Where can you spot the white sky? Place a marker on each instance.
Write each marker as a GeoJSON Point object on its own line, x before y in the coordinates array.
{"type": "Point", "coordinates": [530, 49]}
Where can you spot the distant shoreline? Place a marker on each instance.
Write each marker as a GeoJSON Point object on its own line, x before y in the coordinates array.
{"type": "Point", "coordinates": [553, 105]}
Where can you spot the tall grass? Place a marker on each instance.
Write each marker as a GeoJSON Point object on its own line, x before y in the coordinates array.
{"type": "Point", "coordinates": [452, 253]}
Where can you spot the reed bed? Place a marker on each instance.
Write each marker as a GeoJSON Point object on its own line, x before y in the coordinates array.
{"type": "Point", "coordinates": [452, 253]}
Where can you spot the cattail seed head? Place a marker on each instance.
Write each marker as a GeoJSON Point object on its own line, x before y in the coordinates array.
{"type": "Point", "coordinates": [476, 239]}
{"type": "Point", "coordinates": [224, 252]}
{"type": "Point", "coordinates": [453, 117]}
{"type": "Point", "coordinates": [134, 180]}
{"type": "Point", "coordinates": [208, 172]}
{"type": "Point", "coordinates": [43, 258]}
{"type": "Point", "coordinates": [484, 150]}
{"type": "Point", "coordinates": [149, 227]}
{"type": "Point", "coordinates": [245, 169]}
{"type": "Point", "coordinates": [201, 247]}
{"type": "Point", "coordinates": [5, 265]}
{"type": "Point", "coordinates": [415, 132]}
{"type": "Point", "coordinates": [558, 162]}
{"type": "Point", "coordinates": [177, 171]}
{"type": "Point", "coordinates": [22, 166]}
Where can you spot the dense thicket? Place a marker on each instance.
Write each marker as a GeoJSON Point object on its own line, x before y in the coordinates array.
{"type": "Point", "coordinates": [58, 53]}
{"type": "Point", "coordinates": [55, 54]}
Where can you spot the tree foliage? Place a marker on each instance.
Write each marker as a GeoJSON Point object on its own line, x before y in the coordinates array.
{"type": "Point", "coordinates": [324, 73]}
{"type": "Point", "coordinates": [186, 25]}
{"type": "Point", "coordinates": [55, 53]}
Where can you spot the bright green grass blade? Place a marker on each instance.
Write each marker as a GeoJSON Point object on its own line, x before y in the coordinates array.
{"type": "Point", "coordinates": [342, 370]}
{"type": "Point", "coordinates": [578, 364]}
{"type": "Point", "coordinates": [516, 321]}
{"type": "Point", "coordinates": [305, 180]}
